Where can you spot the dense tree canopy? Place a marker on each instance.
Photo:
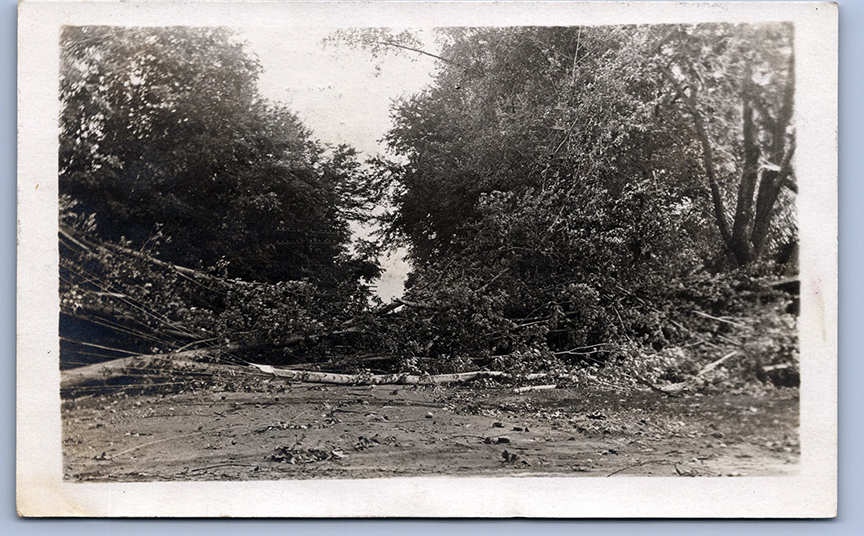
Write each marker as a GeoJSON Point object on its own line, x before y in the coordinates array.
{"type": "Point", "coordinates": [703, 114]}
{"type": "Point", "coordinates": [169, 156]}
{"type": "Point", "coordinates": [164, 129]}
{"type": "Point", "coordinates": [551, 180]}
{"type": "Point", "coordinates": [567, 195]}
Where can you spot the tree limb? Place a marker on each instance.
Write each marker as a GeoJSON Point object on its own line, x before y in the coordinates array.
{"type": "Point", "coordinates": [90, 247]}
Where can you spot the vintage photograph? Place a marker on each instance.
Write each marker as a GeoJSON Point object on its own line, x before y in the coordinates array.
{"type": "Point", "coordinates": [310, 252]}
{"type": "Point", "coordinates": [568, 250]}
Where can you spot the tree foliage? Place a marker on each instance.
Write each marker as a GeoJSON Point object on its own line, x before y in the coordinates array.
{"type": "Point", "coordinates": [165, 126]}
{"type": "Point", "coordinates": [561, 189]}
{"type": "Point", "coordinates": [599, 195]}
{"type": "Point", "coordinates": [705, 113]}
{"type": "Point", "coordinates": [193, 212]}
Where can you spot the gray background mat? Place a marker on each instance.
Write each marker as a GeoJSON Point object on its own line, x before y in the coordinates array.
{"type": "Point", "coordinates": [851, 516]}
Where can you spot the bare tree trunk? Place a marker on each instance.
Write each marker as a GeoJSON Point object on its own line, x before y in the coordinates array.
{"type": "Point", "coordinates": [707, 156]}
{"type": "Point", "coordinates": [716, 197]}
{"type": "Point", "coordinates": [746, 238]}
{"type": "Point", "coordinates": [773, 180]}
{"type": "Point", "coordinates": [741, 248]}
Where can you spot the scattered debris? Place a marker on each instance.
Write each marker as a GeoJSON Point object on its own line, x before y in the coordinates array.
{"type": "Point", "coordinates": [295, 456]}
{"type": "Point", "coordinates": [364, 443]}
{"type": "Point", "coordinates": [762, 440]}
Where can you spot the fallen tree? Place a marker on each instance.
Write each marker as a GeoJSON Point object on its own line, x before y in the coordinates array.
{"type": "Point", "coordinates": [188, 362]}
{"type": "Point", "coordinates": [390, 379]}
{"type": "Point", "coordinates": [102, 373]}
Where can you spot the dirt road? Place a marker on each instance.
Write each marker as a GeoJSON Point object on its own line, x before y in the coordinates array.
{"type": "Point", "coordinates": [268, 429]}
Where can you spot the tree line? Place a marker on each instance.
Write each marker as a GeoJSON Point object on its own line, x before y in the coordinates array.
{"type": "Point", "coordinates": [567, 195]}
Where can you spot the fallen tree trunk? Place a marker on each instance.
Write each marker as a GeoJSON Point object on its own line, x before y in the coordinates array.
{"type": "Point", "coordinates": [71, 379]}
{"type": "Point", "coordinates": [114, 368]}
{"type": "Point", "coordinates": [100, 373]}
{"type": "Point", "coordinates": [387, 379]}
{"type": "Point", "coordinates": [529, 388]}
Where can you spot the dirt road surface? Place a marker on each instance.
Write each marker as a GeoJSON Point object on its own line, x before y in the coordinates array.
{"type": "Point", "coordinates": [268, 429]}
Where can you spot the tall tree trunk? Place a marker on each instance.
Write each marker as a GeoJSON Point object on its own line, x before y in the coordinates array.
{"type": "Point", "coordinates": [773, 180]}
{"type": "Point", "coordinates": [716, 196]}
{"type": "Point", "coordinates": [690, 99]}
{"type": "Point", "coordinates": [772, 183]}
{"type": "Point", "coordinates": [740, 243]}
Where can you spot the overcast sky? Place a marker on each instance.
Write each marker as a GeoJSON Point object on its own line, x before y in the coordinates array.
{"type": "Point", "coordinates": [336, 91]}
{"type": "Point", "coordinates": [340, 95]}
